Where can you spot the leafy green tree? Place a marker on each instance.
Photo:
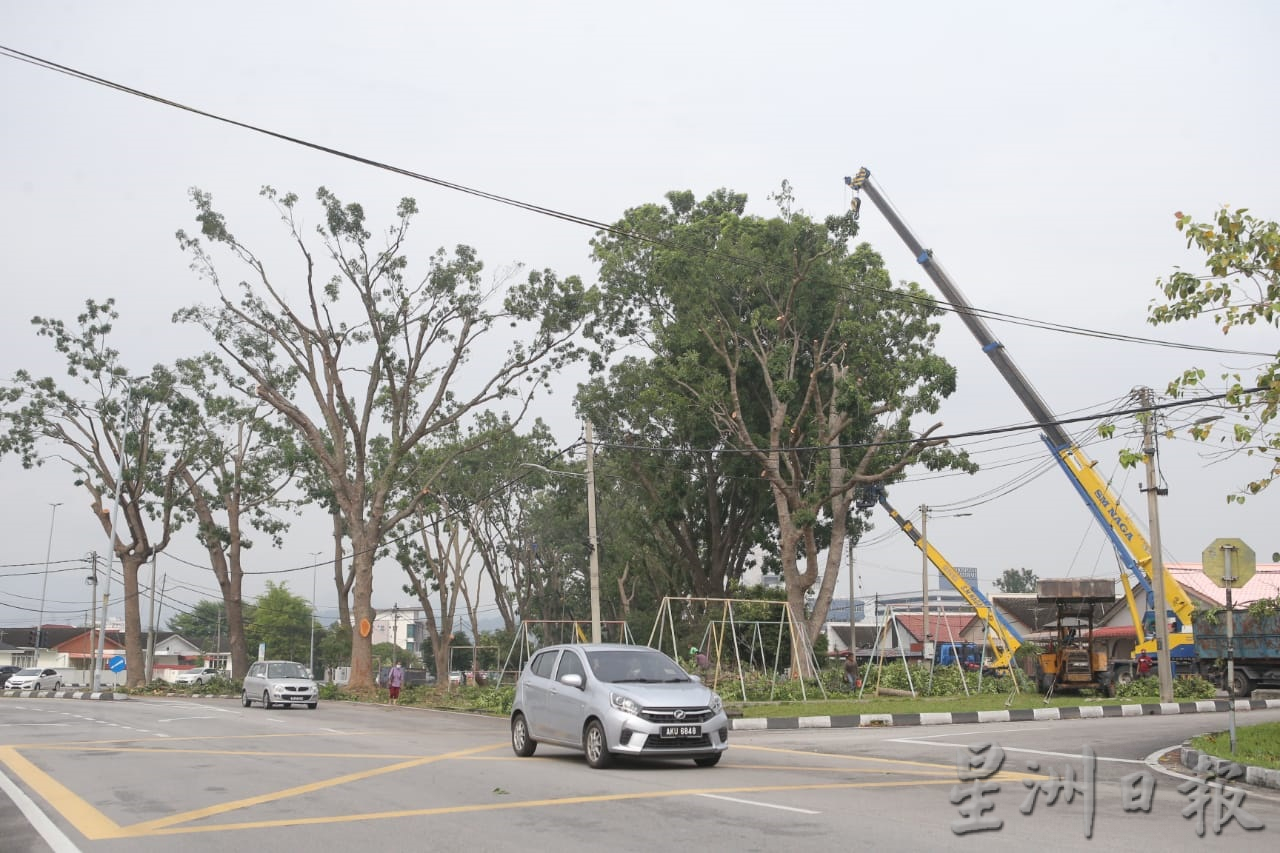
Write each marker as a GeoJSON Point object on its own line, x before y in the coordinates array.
{"type": "Point", "coordinates": [1017, 580]}
{"type": "Point", "coordinates": [379, 356]}
{"type": "Point", "coordinates": [333, 646]}
{"type": "Point", "coordinates": [204, 625]}
{"type": "Point", "coordinates": [105, 425]}
{"type": "Point", "coordinates": [1242, 288]}
{"type": "Point", "coordinates": [282, 620]}
{"type": "Point", "coordinates": [800, 354]}
{"type": "Point", "coordinates": [239, 460]}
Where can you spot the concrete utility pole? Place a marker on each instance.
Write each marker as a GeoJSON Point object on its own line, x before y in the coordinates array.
{"type": "Point", "coordinates": [1164, 664]}
{"type": "Point", "coordinates": [927, 650]}
{"type": "Point", "coordinates": [44, 584]}
{"type": "Point", "coordinates": [151, 632]}
{"type": "Point", "coordinates": [591, 534]}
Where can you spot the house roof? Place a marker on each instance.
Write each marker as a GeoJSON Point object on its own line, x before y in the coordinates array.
{"type": "Point", "coordinates": [1264, 584]}
{"type": "Point", "coordinates": [866, 635]}
{"type": "Point", "coordinates": [942, 626]}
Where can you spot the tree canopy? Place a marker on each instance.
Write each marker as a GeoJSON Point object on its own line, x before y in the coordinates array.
{"type": "Point", "coordinates": [1242, 288]}
{"type": "Point", "coordinates": [770, 341]}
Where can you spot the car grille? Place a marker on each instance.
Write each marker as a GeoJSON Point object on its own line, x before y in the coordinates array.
{"type": "Point", "coordinates": [668, 716]}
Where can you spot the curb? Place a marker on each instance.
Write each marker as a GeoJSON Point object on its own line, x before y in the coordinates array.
{"type": "Point", "coordinates": [1225, 770]}
{"type": "Point", "coordinates": [1018, 715]}
{"type": "Point", "coordinates": [106, 695]}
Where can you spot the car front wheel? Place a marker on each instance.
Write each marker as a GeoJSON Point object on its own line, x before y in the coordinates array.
{"type": "Point", "coordinates": [708, 760]}
{"type": "Point", "coordinates": [521, 743]}
{"type": "Point", "coordinates": [596, 746]}
{"type": "Point", "coordinates": [245, 700]}
{"type": "Point", "coordinates": [266, 700]}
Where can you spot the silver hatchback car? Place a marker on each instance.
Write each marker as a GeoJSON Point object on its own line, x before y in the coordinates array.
{"type": "Point", "coordinates": [279, 682]}
{"type": "Point", "coordinates": [616, 700]}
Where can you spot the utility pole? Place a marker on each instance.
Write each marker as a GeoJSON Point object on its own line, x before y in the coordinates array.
{"type": "Point", "coordinates": [927, 651]}
{"type": "Point", "coordinates": [591, 534]}
{"type": "Point", "coordinates": [93, 625]}
{"type": "Point", "coordinates": [111, 540]}
{"type": "Point", "coordinates": [151, 632]}
{"type": "Point", "coordinates": [44, 584]}
{"type": "Point", "coordinates": [1164, 664]}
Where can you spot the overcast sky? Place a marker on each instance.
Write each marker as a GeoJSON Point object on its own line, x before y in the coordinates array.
{"type": "Point", "coordinates": [1040, 150]}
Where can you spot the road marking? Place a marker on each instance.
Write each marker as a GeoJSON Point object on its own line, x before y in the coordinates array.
{"type": "Point", "coordinates": [20, 725]}
{"type": "Point", "coordinates": [758, 803]}
{"type": "Point", "coordinates": [89, 821]}
{"type": "Point", "coordinates": [179, 719]}
{"type": "Point", "coordinates": [223, 808]}
{"type": "Point", "coordinates": [39, 821]}
{"type": "Point", "coordinates": [922, 742]}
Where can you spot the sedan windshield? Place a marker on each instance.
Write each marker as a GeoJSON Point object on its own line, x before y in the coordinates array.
{"type": "Point", "coordinates": [643, 666]}
{"type": "Point", "coordinates": [28, 671]}
{"type": "Point", "coordinates": [286, 670]}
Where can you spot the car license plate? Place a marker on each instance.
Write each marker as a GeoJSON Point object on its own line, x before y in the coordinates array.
{"type": "Point", "coordinates": [681, 731]}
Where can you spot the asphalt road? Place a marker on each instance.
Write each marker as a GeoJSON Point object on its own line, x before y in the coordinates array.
{"type": "Point", "coordinates": [156, 775]}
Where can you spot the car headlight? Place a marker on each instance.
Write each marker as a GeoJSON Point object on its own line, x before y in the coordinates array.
{"type": "Point", "coordinates": [717, 705]}
{"type": "Point", "coordinates": [625, 704]}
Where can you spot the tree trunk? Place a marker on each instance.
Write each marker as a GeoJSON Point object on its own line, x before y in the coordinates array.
{"type": "Point", "coordinates": [364, 548]}
{"type": "Point", "coordinates": [134, 655]}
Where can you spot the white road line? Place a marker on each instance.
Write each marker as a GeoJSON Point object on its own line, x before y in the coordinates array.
{"type": "Point", "coordinates": [758, 803]}
{"type": "Point", "coordinates": [976, 733]}
{"type": "Point", "coordinates": [921, 742]}
{"type": "Point", "coordinates": [16, 725]}
{"type": "Point", "coordinates": [40, 822]}
{"type": "Point", "coordinates": [177, 719]}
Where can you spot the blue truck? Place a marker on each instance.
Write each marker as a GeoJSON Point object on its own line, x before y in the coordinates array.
{"type": "Point", "coordinates": [1256, 644]}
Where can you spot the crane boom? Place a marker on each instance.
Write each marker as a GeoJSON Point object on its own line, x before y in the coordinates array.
{"type": "Point", "coordinates": [1007, 638]}
{"type": "Point", "coordinates": [1125, 535]}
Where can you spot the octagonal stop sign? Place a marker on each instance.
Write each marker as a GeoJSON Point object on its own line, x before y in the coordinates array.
{"type": "Point", "coordinates": [1242, 558]}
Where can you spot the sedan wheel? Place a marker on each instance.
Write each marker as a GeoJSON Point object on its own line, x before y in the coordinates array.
{"type": "Point", "coordinates": [266, 700]}
{"type": "Point", "coordinates": [596, 746]}
{"type": "Point", "coordinates": [708, 760]}
{"type": "Point", "coordinates": [245, 700]}
{"type": "Point", "coordinates": [521, 743]}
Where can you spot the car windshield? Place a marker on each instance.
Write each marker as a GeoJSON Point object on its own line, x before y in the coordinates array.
{"type": "Point", "coordinates": [643, 666]}
{"type": "Point", "coordinates": [286, 670]}
{"type": "Point", "coordinates": [27, 671]}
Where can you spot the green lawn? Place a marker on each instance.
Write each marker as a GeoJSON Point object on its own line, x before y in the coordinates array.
{"type": "Point", "coordinates": [1257, 745]}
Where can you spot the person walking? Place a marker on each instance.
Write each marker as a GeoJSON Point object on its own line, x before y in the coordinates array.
{"type": "Point", "coordinates": [851, 671]}
{"type": "Point", "coordinates": [395, 680]}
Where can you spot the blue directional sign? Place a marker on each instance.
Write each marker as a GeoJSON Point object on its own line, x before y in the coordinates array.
{"type": "Point", "coordinates": [116, 664]}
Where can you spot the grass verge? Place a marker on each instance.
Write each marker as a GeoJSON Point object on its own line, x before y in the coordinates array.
{"type": "Point", "coordinates": [1257, 745]}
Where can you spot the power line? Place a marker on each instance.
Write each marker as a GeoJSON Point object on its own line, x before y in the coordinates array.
{"type": "Point", "coordinates": [12, 53]}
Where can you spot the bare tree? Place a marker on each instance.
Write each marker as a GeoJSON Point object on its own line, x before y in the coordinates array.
{"type": "Point", "coordinates": [412, 358]}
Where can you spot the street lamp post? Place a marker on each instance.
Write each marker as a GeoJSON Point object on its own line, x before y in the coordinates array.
{"type": "Point", "coordinates": [315, 564]}
{"type": "Point", "coordinates": [44, 584]}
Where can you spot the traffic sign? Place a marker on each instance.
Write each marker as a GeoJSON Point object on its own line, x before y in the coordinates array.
{"type": "Point", "coordinates": [1243, 562]}
{"type": "Point", "coordinates": [116, 664]}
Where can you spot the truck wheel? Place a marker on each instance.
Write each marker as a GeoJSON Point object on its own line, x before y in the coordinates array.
{"type": "Point", "coordinates": [1242, 685]}
{"type": "Point", "coordinates": [1123, 676]}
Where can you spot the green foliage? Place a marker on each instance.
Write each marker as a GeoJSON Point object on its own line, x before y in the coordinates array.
{"type": "Point", "coordinates": [1017, 580]}
{"type": "Point", "coordinates": [1242, 255]}
{"type": "Point", "coordinates": [763, 350]}
{"type": "Point", "coordinates": [1265, 607]}
{"type": "Point", "coordinates": [282, 621]}
{"type": "Point", "coordinates": [1186, 688]}
{"type": "Point", "coordinates": [946, 680]}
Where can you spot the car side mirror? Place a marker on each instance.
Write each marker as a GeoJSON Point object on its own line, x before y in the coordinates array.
{"type": "Point", "coordinates": [572, 679]}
